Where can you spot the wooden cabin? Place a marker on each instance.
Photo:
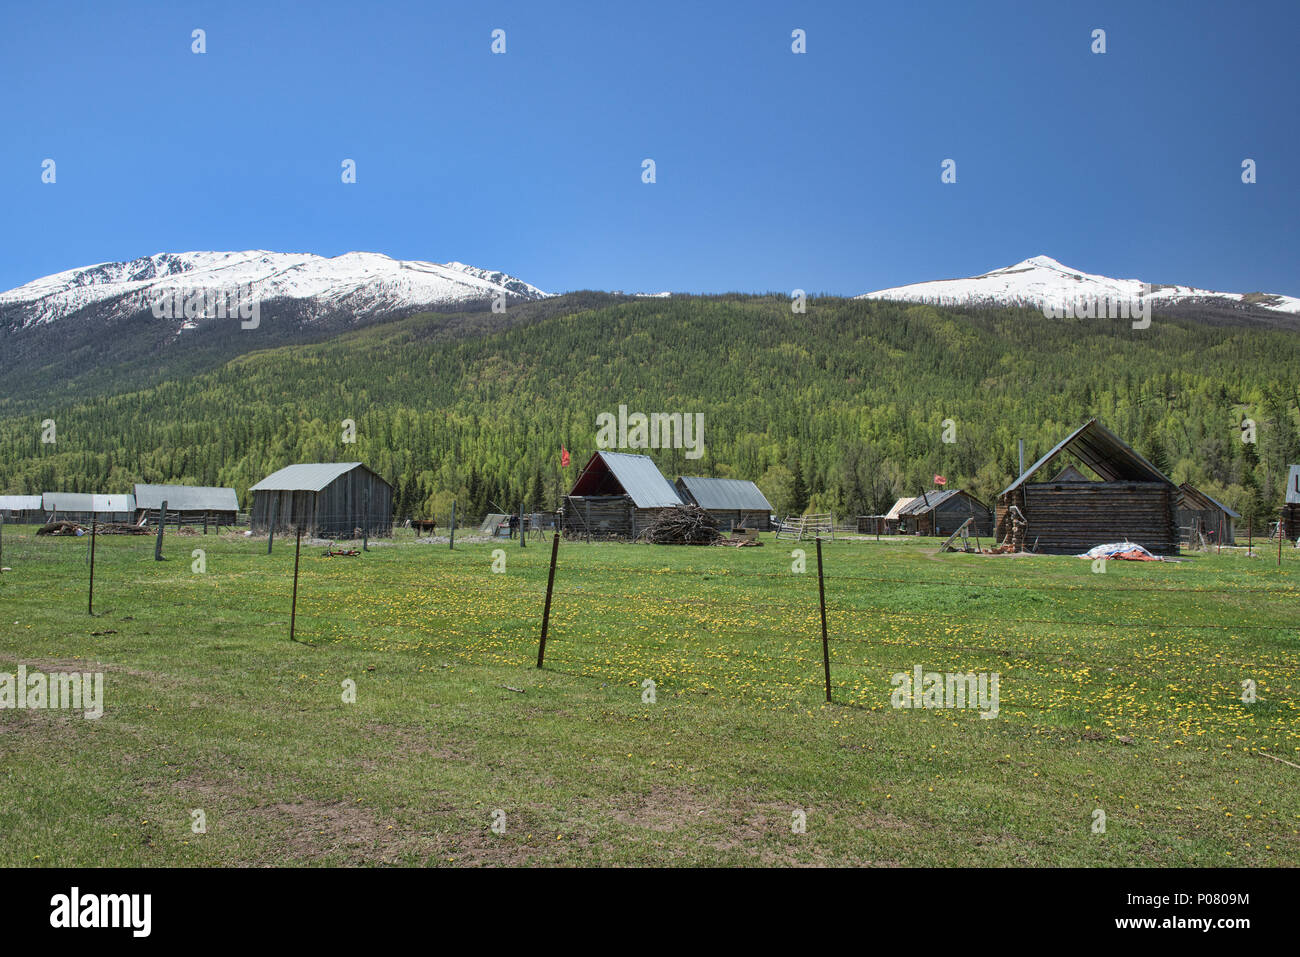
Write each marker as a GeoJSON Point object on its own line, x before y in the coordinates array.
{"type": "Point", "coordinates": [1131, 500]}
{"type": "Point", "coordinates": [617, 495]}
{"type": "Point", "coordinates": [327, 500]}
{"type": "Point", "coordinates": [1198, 515]}
{"type": "Point", "coordinates": [735, 503]}
{"type": "Point", "coordinates": [187, 504]}
{"type": "Point", "coordinates": [1290, 515]}
{"type": "Point", "coordinates": [942, 513]}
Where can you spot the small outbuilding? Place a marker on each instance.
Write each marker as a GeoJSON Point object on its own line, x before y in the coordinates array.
{"type": "Point", "coordinates": [1132, 501]}
{"type": "Point", "coordinates": [188, 504]}
{"type": "Point", "coordinates": [735, 503]}
{"type": "Point", "coordinates": [942, 513]}
{"type": "Point", "coordinates": [1199, 514]}
{"type": "Point", "coordinates": [617, 495]}
{"type": "Point", "coordinates": [894, 517]}
{"type": "Point", "coordinates": [327, 500]}
{"type": "Point", "coordinates": [86, 507]}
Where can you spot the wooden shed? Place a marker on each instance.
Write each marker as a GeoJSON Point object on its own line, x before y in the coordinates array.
{"type": "Point", "coordinates": [328, 500]}
{"type": "Point", "coordinates": [1132, 501]}
{"type": "Point", "coordinates": [943, 512]}
{"type": "Point", "coordinates": [187, 504]}
{"type": "Point", "coordinates": [733, 502]}
{"type": "Point", "coordinates": [894, 524]}
{"type": "Point", "coordinates": [617, 495]}
{"type": "Point", "coordinates": [1198, 515]}
{"type": "Point", "coordinates": [1290, 515]}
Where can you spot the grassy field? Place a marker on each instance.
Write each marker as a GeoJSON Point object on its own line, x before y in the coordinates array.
{"type": "Point", "coordinates": [1119, 691]}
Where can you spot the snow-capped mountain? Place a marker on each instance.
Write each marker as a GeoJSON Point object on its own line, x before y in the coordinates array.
{"type": "Point", "coordinates": [360, 285]}
{"type": "Point", "coordinates": [1042, 281]}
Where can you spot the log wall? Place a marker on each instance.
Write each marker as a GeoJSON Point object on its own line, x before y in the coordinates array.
{"type": "Point", "coordinates": [1066, 518]}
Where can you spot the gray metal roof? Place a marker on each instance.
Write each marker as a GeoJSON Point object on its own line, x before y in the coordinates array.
{"type": "Point", "coordinates": [930, 500]}
{"type": "Point", "coordinates": [1293, 486]}
{"type": "Point", "coordinates": [1102, 451]}
{"type": "Point", "coordinates": [20, 503]}
{"type": "Point", "coordinates": [187, 498]}
{"type": "Point", "coordinates": [305, 477]}
{"type": "Point", "coordinates": [724, 494]}
{"type": "Point", "coordinates": [86, 502]}
{"type": "Point", "coordinates": [639, 477]}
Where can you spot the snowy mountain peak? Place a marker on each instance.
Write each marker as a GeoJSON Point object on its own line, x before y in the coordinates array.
{"type": "Point", "coordinates": [1042, 281]}
{"type": "Point", "coordinates": [362, 284]}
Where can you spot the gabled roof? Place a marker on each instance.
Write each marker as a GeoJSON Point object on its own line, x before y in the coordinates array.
{"type": "Point", "coordinates": [897, 510]}
{"type": "Point", "coordinates": [723, 494]}
{"type": "Point", "coordinates": [636, 476]}
{"type": "Point", "coordinates": [1293, 486]}
{"type": "Point", "coordinates": [20, 503]}
{"type": "Point", "coordinates": [1102, 451]}
{"type": "Point", "coordinates": [187, 498]}
{"type": "Point", "coordinates": [304, 478]}
{"type": "Point", "coordinates": [1191, 497]}
{"type": "Point", "coordinates": [931, 500]}
{"type": "Point", "coordinates": [86, 502]}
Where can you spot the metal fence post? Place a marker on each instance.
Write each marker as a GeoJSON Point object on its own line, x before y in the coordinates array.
{"type": "Point", "coordinates": [821, 593]}
{"type": "Point", "coordinates": [546, 611]}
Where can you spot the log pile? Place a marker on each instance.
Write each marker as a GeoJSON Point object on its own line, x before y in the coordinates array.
{"type": "Point", "coordinates": [60, 528]}
{"type": "Point", "coordinates": [683, 525]}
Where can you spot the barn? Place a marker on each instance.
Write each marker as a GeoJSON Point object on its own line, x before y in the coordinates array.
{"type": "Point", "coordinates": [85, 507]}
{"type": "Point", "coordinates": [1291, 507]}
{"type": "Point", "coordinates": [328, 500]}
{"type": "Point", "coordinates": [942, 513]}
{"type": "Point", "coordinates": [21, 509]}
{"type": "Point", "coordinates": [1198, 515]}
{"type": "Point", "coordinates": [733, 502]}
{"type": "Point", "coordinates": [188, 504]}
{"type": "Point", "coordinates": [617, 495]}
{"type": "Point", "coordinates": [1132, 500]}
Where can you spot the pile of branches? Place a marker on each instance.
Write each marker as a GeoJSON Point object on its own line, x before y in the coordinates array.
{"type": "Point", "coordinates": [683, 525]}
{"type": "Point", "coordinates": [60, 528]}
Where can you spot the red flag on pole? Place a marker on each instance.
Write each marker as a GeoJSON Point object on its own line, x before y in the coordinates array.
{"type": "Point", "coordinates": [940, 480]}
{"type": "Point", "coordinates": [564, 457]}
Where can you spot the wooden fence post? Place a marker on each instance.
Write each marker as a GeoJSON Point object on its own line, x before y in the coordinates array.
{"type": "Point", "coordinates": [521, 525]}
{"type": "Point", "coordinates": [90, 601]}
{"type": "Point", "coordinates": [451, 531]}
{"type": "Point", "coordinates": [275, 517]}
{"type": "Point", "coordinates": [157, 546]}
{"type": "Point", "coordinates": [546, 611]}
{"type": "Point", "coordinates": [2, 537]}
{"type": "Point", "coordinates": [293, 611]}
{"type": "Point", "coordinates": [821, 593]}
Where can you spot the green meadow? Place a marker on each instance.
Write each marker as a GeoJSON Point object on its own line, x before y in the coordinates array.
{"type": "Point", "coordinates": [680, 718]}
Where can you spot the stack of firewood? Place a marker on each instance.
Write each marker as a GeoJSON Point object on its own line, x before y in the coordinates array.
{"type": "Point", "coordinates": [683, 525]}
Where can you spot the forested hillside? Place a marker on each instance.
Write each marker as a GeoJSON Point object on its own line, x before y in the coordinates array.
{"type": "Point", "coordinates": [841, 408]}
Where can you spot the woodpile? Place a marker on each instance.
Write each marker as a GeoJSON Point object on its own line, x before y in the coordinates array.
{"type": "Point", "coordinates": [60, 528]}
{"type": "Point", "coordinates": [683, 525]}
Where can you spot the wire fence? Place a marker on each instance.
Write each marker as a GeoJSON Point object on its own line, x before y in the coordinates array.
{"type": "Point", "coordinates": [743, 623]}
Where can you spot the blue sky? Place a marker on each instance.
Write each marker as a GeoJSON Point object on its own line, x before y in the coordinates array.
{"type": "Point", "coordinates": [775, 171]}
